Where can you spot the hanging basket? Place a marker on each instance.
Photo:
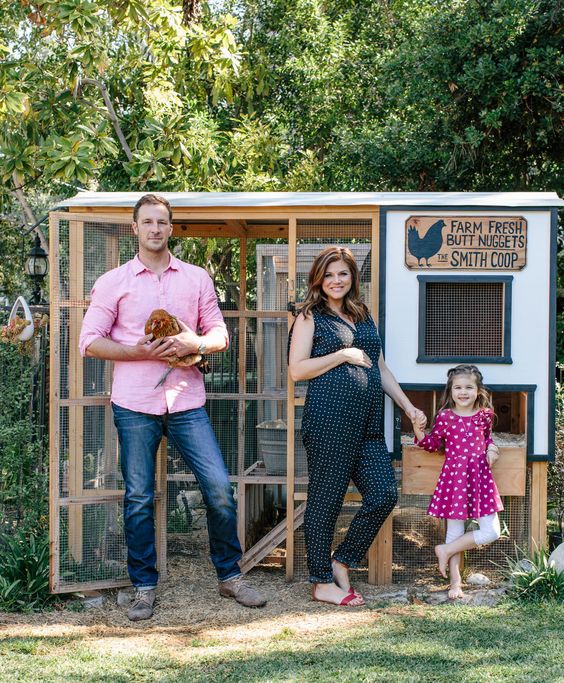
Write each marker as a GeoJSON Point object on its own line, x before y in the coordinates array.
{"type": "Point", "coordinates": [27, 332]}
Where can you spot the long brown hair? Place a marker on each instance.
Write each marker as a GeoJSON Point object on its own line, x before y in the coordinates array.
{"type": "Point", "coordinates": [483, 399]}
{"type": "Point", "coordinates": [353, 306]}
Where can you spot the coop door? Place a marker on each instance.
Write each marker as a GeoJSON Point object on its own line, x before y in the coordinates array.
{"type": "Point", "coordinates": [359, 232]}
{"type": "Point", "coordinates": [88, 547]}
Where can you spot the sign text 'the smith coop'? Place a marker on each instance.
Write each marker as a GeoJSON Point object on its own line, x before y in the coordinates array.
{"type": "Point", "coordinates": [466, 242]}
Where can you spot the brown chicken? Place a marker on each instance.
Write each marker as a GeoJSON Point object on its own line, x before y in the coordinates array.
{"type": "Point", "coordinates": [162, 324]}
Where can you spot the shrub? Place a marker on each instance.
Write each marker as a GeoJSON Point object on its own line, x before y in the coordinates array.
{"type": "Point", "coordinates": [556, 468]}
{"type": "Point", "coordinates": [23, 451]}
{"type": "Point", "coordinates": [24, 572]}
{"type": "Point", "coordinates": [534, 579]}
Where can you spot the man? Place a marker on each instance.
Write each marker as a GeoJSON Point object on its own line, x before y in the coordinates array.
{"type": "Point", "coordinates": [113, 329]}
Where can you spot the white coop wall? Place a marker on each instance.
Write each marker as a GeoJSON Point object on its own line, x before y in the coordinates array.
{"type": "Point", "coordinates": [529, 315]}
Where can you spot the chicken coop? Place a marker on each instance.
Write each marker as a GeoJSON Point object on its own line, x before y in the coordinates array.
{"type": "Point", "coordinates": [449, 277]}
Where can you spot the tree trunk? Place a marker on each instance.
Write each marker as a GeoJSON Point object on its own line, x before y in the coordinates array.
{"type": "Point", "coordinates": [111, 114]}
{"type": "Point", "coordinates": [27, 210]}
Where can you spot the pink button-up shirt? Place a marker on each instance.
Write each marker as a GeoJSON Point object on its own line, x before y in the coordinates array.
{"type": "Point", "coordinates": [122, 300]}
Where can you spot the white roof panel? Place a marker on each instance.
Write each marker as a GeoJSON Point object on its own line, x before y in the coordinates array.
{"type": "Point", "coordinates": [274, 199]}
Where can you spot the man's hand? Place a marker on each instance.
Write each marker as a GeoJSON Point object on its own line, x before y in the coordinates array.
{"type": "Point", "coordinates": [184, 343]}
{"type": "Point", "coordinates": [148, 348]}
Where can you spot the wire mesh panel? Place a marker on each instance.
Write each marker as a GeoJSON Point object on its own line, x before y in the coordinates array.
{"type": "Point", "coordinates": [102, 557]}
{"type": "Point", "coordinates": [515, 521]}
{"type": "Point", "coordinates": [86, 502]}
{"type": "Point", "coordinates": [187, 529]}
{"type": "Point", "coordinates": [415, 535]}
{"type": "Point", "coordinates": [223, 375]}
{"type": "Point", "coordinates": [471, 312]}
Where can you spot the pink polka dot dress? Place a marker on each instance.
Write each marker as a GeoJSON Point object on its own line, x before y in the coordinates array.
{"type": "Point", "coordinates": [466, 488]}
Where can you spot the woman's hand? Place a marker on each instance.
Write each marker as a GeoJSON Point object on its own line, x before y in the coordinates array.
{"type": "Point", "coordinates": [418, 420]}
{"type": "Point", "coordinates": [356, 356]}
{"type": "Point", "coordinates": [302, 366]}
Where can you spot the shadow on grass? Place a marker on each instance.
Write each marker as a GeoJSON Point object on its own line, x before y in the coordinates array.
{"type": "Point", "coordinates": [410, 644]}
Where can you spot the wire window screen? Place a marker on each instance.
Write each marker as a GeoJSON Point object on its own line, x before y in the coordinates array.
{"type": "Point", "coordinates": [464, 319]}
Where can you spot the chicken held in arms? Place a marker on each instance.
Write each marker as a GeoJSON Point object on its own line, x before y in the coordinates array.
{"type": "Point", "coordinates": [162, 324]}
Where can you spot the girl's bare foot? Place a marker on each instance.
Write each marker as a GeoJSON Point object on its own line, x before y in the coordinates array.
{"type": "Point", "coordinates": [331, 593]}
{"type": "Point", "coordinates": [455, 591]}
{"type": "Point", "coordinates": [443, 558]}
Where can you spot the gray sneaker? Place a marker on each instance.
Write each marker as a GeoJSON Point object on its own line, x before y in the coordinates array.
{"type": "Point", "coordinates": [244, 594]}
{"type": "Point", "coordinates": [142, 605]}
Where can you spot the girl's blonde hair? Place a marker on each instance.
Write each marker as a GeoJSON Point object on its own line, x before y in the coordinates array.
{"type": "Point", "coordinates": [353, 306]}
{"type": "Point", "coordinates": [484, 398]}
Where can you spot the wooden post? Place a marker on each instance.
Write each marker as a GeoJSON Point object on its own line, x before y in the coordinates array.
{"type": "Point", "coordinates": [241, 405]}
{"type": "Point", "coordinates": [54, 404]}
{"type": "Point", "coordinates": [380, 555]}
{"type": "Point", "coordinates": [291, 410]}
{"type": "Point", "coordinates": [380, 552]}
{"type": "Point", "coordinates": [76, 379]}
{"type": "Point", "coordinates": [160, 507]}
{"type": "Point", "coordinates": [537, 531]}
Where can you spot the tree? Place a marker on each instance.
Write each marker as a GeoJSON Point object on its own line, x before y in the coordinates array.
{"type": "Point", "coordinates": [400, 95]}
{"type": "Point", "coordinates": [275, 94]}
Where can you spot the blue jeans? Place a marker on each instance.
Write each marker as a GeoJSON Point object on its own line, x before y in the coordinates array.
{"type": "Point", "coordinates": [191, 432]}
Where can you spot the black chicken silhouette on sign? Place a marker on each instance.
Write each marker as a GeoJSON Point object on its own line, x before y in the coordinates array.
{"type": "Point", "coordinates": [427, 246]}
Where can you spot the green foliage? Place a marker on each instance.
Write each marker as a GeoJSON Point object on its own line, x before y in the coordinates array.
{"type": "Point", "coordinates": [178, 522]}
{"type": "Point", "coordinates": [534, 579]}
{"type": "Point", "coordinates": [23, 471]}
{"type": "Point", "coordinates": [24, 546]}
{"type": "Point", "coordinates": [24, 571]}
{"type": "Point", "coordinates": [278, 95]}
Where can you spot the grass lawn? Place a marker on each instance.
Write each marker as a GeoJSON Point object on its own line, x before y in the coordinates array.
{"type": "Point", "coordinates": [396, 644]}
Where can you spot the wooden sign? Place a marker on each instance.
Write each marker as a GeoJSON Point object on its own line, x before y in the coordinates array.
{"type": "Point", "coordinates": [466, 242]}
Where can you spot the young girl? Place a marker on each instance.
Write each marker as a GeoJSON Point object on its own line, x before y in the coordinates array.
{"type": "Point", "coordinates": [465, 489]}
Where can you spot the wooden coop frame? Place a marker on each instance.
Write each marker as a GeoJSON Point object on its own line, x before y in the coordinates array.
{"type": "Point", "coordinates": [246, 216]}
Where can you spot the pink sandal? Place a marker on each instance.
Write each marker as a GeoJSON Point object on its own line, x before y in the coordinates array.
{"type": "Point", "coordinates": [351, 589]}
{"type": "Point", "coordinates": [345, 602]}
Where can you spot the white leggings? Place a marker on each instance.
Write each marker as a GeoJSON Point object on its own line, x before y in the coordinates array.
{"type": "Point", "coordinates": [488, 532]}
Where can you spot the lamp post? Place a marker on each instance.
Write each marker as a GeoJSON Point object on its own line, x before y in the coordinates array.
{"type": "Point", "coordinates": [36, 266]}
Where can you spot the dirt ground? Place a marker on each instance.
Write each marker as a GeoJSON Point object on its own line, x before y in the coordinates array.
{"type": "Point", "coordinates": [188, 604]}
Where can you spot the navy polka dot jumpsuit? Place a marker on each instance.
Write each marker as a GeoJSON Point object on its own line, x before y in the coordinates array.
{"type": "Point", "coordinates": [342, 434]}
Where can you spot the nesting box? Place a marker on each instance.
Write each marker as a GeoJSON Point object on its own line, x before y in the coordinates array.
{"type": "Point", "coordinates": [449, 277]}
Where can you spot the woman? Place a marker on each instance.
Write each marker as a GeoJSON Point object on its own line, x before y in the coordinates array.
{"type": "Point", "coordinates": [335, 344]}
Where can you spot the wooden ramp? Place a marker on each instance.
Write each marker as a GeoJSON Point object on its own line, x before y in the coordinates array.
{"type": "Point", "coordinates": [272, 540]}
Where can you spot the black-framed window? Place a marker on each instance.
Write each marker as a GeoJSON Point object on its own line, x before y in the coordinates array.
{"type": "Point", "coordinates": [464, 319]}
